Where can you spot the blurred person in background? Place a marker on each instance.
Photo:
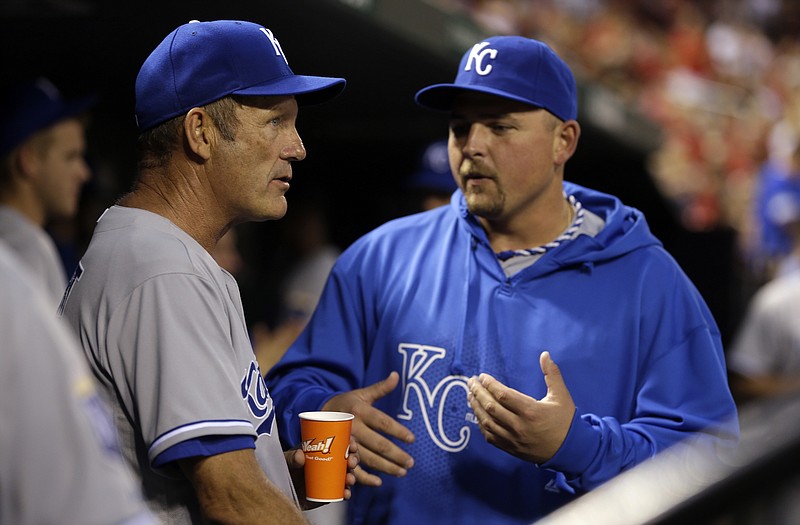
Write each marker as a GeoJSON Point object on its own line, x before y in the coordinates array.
{"type": "Point", "coordinates": [765, 355]}
{"type": "Point", "coordinates": [432, 184]}
{"type": "Point", "coordinates": [42, 147]}
{"type": "Point", "coordinates": [777, 197]}
{"type": "Point", "coordinates": [59, 457]}
{"type": "Point", "coordinates": [764, 359]}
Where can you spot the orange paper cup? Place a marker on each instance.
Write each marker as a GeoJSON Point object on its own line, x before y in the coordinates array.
{"type": "Point", "coordinates": [326, 445]}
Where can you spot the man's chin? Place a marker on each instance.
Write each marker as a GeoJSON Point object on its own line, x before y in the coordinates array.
{"type": "Point", "coordinates": [482, 207]}
{"type": "Point", "coordinates": [274, 212]}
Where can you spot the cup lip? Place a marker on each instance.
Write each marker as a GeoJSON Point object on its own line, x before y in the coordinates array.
{"type": "Point", "coordinates": [326, 415]}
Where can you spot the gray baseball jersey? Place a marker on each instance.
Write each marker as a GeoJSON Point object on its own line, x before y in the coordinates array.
{"type": "Point", "coordinates": [162, 326]}
{"type": "Point", "coordinates": [768, 341]}
{"type": "Point", "coordinates": [59, 460]}
{"type": "Point", "coordinates": [37, 251]}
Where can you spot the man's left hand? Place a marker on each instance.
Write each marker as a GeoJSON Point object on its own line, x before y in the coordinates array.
{"type": "Point", "coordinates": [525, 427]}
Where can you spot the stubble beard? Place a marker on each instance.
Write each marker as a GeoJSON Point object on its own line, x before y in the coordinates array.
{"type": "Point", "coordinates": [485, 200]}
{"type": "Point", "coordinates": [486, 204]}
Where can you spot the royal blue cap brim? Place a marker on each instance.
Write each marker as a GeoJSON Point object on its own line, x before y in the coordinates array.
{"type": "Point", "coordinates": [440, 97]}
{"type": "Point", "coordinates": [307, 90]}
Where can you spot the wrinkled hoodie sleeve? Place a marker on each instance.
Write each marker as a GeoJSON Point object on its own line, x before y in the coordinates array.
{"type": "Point", "coordinates": [681, 392]}
{"type": "Point", "coordinates": [310, 374]}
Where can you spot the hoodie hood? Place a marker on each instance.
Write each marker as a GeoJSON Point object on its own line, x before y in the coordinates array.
{"type": "Point", "coordinates": [625, 230]}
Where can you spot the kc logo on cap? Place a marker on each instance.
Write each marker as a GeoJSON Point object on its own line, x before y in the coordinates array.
{"type": "Point", "coordinates": [476, 56]}
{"type": "Point", "coordinates": [513, 67]}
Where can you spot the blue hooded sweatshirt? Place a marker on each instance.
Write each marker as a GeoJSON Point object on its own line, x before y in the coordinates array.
{"type": "Point", "coordinates": [425, 296]}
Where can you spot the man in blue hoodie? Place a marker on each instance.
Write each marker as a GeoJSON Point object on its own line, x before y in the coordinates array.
{"type": "Point", "coordinates": [441, 331]}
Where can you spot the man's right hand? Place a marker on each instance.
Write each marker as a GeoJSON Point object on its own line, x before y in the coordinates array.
{"type": "Point", "coordinates": [370, 428]}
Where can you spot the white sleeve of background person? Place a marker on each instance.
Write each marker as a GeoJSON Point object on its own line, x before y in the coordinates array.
{"type": "Point", "coordinates": [37, 251]}
{"type": "Point", "coordinates": [59, 461]}
{"type": "Point", "coordinates": [768, 342]}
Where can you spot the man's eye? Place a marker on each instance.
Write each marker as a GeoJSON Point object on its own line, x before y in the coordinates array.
{"type": "Point", "coordinates": [459, 130]}
{"type": "Point", "coordinates": [275, 122]}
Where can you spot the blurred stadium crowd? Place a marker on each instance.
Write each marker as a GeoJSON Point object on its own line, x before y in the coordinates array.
{"type": "Point", "coordinates": [719, 79]}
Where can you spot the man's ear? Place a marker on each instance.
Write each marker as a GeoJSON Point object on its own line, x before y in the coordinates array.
{"type": "Point", "coordinates": [199, 132]}
{"type": "Point", "coordinates": [566, 141]}
{"type": "Point", "coordinates": [26, 159]}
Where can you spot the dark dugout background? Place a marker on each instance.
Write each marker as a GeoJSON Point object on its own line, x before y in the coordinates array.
{"type": "Point", "coordinates": [361, 146]}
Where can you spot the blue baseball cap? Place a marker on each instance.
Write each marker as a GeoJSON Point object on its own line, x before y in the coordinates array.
{"type": "Point", "coordinates": [513, 67]}
{"type": "Point", "coordinates": [433, 172]}
{"type": "Point", "coordinates": [200, 62]}
{"type": "Point", "coordinates": [31, 106]}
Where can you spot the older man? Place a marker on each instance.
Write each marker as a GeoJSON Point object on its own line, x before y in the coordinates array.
{"type": "Point", "coordinates": [160, 321]}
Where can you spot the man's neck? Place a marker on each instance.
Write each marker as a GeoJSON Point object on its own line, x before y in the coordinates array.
{"type": "Point", "coordinates": [531, 230]}
{"type": "Point", "coordinates": [184, 209]}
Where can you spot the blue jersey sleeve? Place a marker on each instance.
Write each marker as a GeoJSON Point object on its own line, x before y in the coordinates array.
{"type": "Point", "coordinates": [203, 446]}
{"type": "Point", "coordinates": [310, 373]}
